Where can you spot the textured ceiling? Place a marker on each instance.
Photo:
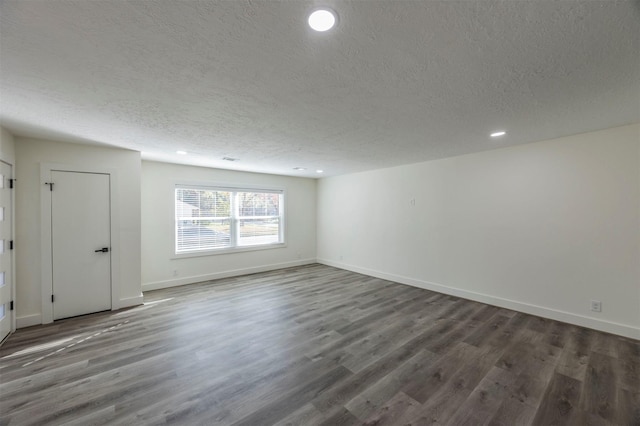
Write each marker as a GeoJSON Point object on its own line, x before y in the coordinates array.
{"type": "Point", "coordinates": [395, 82]}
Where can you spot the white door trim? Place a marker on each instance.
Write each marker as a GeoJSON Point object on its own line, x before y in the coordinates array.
{"type": "Point", "coordinates": [13, 256]}
{"type": "Point", "coordinates": [46, 258]}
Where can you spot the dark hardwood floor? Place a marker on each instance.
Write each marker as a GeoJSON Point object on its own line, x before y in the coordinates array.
{"type": "Point", "coordinates": [316, 345]}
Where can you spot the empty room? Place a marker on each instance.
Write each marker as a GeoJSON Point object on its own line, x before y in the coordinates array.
{"type": "Point", "coordinates": [356, 212]}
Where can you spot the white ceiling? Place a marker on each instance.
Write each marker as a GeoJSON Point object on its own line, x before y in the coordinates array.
{"type": "Point", "coordinates": [395, 82]}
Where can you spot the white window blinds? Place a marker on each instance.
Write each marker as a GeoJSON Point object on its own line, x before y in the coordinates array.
{"type": "Point", "coordinates": [214, 218]}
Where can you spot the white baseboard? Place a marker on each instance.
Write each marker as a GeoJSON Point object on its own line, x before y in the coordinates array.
{"type": "Point", "coordinates": [541, 311]}
{"type": "Point", "coordinates": [224, 274]}
{"type": "Point", "coordinates": [131, 301]}
{"type": "Point", "coordinates": [28, 320]}
{"type": "Point", "coordinates": [36, 319]}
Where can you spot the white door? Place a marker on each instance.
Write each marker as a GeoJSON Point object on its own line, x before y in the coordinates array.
{"type": "Point", "coordinates": [81, 248]}
{"type": "Point", "coordinates": [5, 251]}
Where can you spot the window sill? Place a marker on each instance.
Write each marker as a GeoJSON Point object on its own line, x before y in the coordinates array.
{"type": "Point", "coordinates": [216, 252]}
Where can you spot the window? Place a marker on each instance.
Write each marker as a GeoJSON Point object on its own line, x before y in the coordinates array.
{"type": "Point", "coordinates": [216, 218]}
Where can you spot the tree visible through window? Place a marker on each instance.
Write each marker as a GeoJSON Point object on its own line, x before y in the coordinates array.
{"type": "Point", "coordinates": [210, 218]}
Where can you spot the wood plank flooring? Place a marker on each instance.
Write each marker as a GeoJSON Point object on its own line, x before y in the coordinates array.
{"type": "Point", "coordinates": [316, 345]}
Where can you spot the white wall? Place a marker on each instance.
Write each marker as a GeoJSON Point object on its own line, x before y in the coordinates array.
{"type": "Point", "coordinates": [543, 228]}
{"type": "Point", "coordinates": [158, 259]}
{"type": "Point", "coordinates": [7, 147]}
{"type": "Point", "coordinates": [30, 154]}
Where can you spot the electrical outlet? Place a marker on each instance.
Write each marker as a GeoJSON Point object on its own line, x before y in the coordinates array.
{"type": "Point", "coordinates": [175, 272]}
{"type": "Point", "coordinates": [596, 306]}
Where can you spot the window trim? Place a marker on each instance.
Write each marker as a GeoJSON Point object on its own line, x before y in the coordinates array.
{"type": "Point", "coordinates": [220, 186]}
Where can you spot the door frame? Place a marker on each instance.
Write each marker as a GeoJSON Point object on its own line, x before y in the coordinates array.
{"type": "Point", "coordinates": [12, 313]}
{"type": "Point", "coordinates": [46, 252]}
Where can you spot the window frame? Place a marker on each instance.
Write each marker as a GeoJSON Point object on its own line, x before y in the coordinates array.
{"type": "Point", "coordinates": [234, 218]}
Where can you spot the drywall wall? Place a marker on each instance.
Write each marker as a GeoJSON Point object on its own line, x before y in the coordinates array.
{"type": "Point", "coordinates": [161, 268]}
{"type": "Point", "coordinates": [543, 228]}
{"type": "Point", "coordinates": [30, 155]}
{"type": "Point", "coordinates": [7, 147]}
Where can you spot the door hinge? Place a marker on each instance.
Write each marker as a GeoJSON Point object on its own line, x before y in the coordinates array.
{"type": "Point", "coordinates": [11, 245]}
{"type": "Point", "coordinates": [50, 185]}
{"type": "Point", "coordinates": [52, 298]}
{"type": "Point", "coordinates": [11, 305]}
{"type": "Point", "coordinates": [11, 181]}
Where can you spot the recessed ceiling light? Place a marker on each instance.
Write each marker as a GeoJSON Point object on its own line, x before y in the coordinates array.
{"type": "Point", "coordinates": [498, 134]}
{"type": "Point", "coordinates": [181, 152]}
{"type": "Point", "coordinates": [299, 168]}
{"type": "Point", "coordinates": [319, 171]}
{"type": "Point", "coordinates": [322, 19]}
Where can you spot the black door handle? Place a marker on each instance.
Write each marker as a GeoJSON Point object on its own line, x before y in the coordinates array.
{"type": "Point", "coordinates": [103, 250]}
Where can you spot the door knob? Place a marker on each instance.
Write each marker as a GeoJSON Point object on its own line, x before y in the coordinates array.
{"type": "Point", "coordinates": [103, 250]}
